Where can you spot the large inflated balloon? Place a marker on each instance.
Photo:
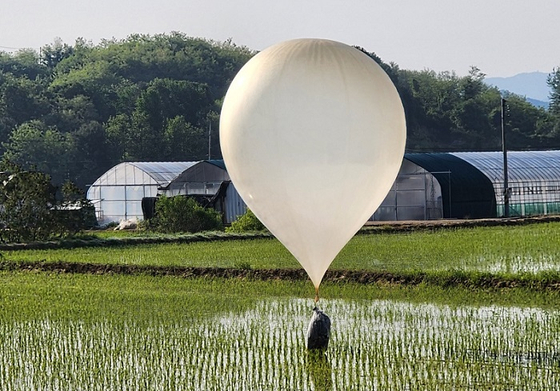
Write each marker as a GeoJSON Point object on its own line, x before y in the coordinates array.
{"type": "Point", "coordinates": [312, 134]}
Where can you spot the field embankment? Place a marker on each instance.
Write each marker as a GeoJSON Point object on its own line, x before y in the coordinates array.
{"type": "Point", "coordinates": [481, 254]}
{"type": "Point", "coordinates": [474, 280]}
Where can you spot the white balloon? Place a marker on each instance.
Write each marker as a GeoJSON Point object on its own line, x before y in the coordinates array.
{"type": "Point", "coordinates": [312, 133]}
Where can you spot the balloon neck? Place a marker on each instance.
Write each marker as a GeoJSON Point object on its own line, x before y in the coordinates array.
{"type": "Point", "coordinates": [316, 294]}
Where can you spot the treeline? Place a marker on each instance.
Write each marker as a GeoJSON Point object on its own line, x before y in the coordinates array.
{"type": "Point", "coordinates": [73, 111]}
{"type": "Point", "coordinates": [446, 112]}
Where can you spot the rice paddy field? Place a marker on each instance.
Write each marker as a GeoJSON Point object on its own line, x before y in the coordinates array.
{"type": "Point", "coordinates": [530, 248]}
{"type": "Point", "coordinates": [62, 331]}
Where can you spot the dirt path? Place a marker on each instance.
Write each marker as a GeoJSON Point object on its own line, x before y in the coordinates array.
{"type": "Point", "coordinates": [454, 223]}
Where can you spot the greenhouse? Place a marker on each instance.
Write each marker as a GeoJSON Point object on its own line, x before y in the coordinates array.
{"type": "Point", "coordinates": [415, 195]}
{"type": "Point", "coordinates": [121, 193]}
{"type": "Point", "coordinates": [437, 185]}
{"type": "Point", "coordinates": [117, 194]}
{"type": "Point", "coordinates": [533, 179]}
{"type": "Point", "coordinates": [471, 185]}
{"type": "Point", "coordinates": [429, 186]}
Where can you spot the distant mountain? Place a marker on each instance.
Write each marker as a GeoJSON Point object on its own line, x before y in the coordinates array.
{"type": "Point", "coordinates": [538, 103]}
{"type": "Point", "coordinates": [531, 85]}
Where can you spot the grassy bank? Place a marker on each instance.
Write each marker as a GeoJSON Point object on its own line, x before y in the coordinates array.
{"type": "Point", "coordinates": [511, 250]}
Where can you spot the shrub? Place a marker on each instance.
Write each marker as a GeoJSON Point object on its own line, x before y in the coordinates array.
{"type": "Point", "coordinates": [247, 222]}
{"type": "Point", "coordinates": [183, 214]}
{"type": "Point", "coordinates": [30, 210]}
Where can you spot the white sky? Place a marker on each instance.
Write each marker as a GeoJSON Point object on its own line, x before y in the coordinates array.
{"type": "Point", "coordinates": [501, 37]}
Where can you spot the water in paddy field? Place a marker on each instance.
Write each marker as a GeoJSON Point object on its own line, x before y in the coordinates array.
{"type": "Point", "coordinates": [517, 264]}
{"type": "Point", "coordinates": [375, 345]}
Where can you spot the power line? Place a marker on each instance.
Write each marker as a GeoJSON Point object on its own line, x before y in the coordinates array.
{"type": "Point", "coordinates": [14, 48]}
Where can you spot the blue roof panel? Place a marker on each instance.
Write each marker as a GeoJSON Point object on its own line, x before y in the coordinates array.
{"type": "Point", "coordinates": [522, 165]}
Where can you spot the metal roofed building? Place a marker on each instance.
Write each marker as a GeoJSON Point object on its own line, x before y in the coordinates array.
{"type": "Point", "coordinates": [209, 178]}
{"type": "Point", "coordinates": [118, 194]}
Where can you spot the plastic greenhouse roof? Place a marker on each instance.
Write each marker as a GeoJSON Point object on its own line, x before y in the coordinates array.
{"type": "Point", "coordinates": [465, 189]}
{"type": "Point", "coordinates": [522, 165]}
{"type": "Point", "coordinates": [163, 172]}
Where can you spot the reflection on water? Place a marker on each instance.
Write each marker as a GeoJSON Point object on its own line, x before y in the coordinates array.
{"type": "Point", "coordinates": [515, 264]}
{"type": "Point", "coordinates": [375, 345]}
{"type": "Point", "coordinates": [320, 371]}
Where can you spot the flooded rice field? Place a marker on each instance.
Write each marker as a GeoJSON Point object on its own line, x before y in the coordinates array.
{"type": "Point", "coordinates": [517, 264]}
{"type": "Point", "coordinates": [375, 345]}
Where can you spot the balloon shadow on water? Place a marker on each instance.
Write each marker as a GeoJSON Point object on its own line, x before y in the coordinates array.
{"type": "Point", "coordinates": [319, 370]}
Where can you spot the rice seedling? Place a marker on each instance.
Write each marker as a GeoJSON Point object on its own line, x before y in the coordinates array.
{"type": "Point", "coordinates": [140, 332]}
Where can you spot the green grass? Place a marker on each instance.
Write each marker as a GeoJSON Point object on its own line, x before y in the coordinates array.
{"type": "Point", "coordinates": [99, 332]}
{"type": "Point", "coordinates": [507, 250]}
{"type": "Point", "coordinates": [481, 248]}
{"type": "Point", "coordinates": [115, 331]}
{"type": "Point", "coordinates": [84, 296]}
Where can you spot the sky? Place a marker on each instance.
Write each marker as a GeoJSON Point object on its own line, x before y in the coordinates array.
{"type": "Point", "coordinates": [501, 37]}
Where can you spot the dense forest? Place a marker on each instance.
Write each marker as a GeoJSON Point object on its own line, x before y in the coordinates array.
{"type": "Point", "coordinates": [73, 111]}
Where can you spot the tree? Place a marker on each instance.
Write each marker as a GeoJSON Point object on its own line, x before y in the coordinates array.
{"type": "Point", "coordinates": [22, 64]}
{"type": "Point", "coordinates": [89, 153]}
{"type": "Point", "coordinates": [165, 98]}
{"type": "Point", "coordinates": [71, 113]}
{"type": "Point", "coordinates": [36, 145]}
{"type": "Point", "coordinates": [183, 140]}
{"type": "Point", "coordinates": [51, 55]}
{"type": "Point", "coordinates": [554, 108]}
{"type": "Point", "coordinates": [165, 122]}
{"type": "Point", "coordinates": [527, 126]}
{"type": "Point", "coordinates": [554, 84]}
{"type": "Point", "coordinates": [23, 99]}
{"type": "Point", "coordinates": [474, 113]}
{"type": "Point", "coordinates": [30, 209]}
{"type": "Point", "coordinates": [26, 198]}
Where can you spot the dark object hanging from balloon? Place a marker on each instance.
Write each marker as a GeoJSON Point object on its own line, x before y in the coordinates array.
{"type": "Point", "coordinates": [319, 330]}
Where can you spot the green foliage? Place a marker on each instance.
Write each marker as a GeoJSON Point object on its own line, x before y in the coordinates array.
{"type": "Point", "coordinates": [51, 55]}
{"type": "Point", "coordinates": [34, 145]}
{"type": "Point", "coordinates": [30, 210]}
{"type": "Point", "coordinates": [142, 98]}
{"type": "Point", "coordinates": [74, 111]}
{"type": "Point", "coordinates": [165, 125]}
{"type": "Point", "coordinates": [446, 112]}
{"type": "Point", "coordinates": [26, 198]}
{"type": "Point", "coordinates": [554, 84]}
{"type": "Point", "coordinates": [183, 214]}
{"type": "Point", "coordinates": [247, 222]}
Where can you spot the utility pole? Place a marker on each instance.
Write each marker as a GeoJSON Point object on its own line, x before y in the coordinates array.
{"type": "Point", "coordinates": [504, 150]}
{"type": "Point", "coordinates": [209, 139]}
